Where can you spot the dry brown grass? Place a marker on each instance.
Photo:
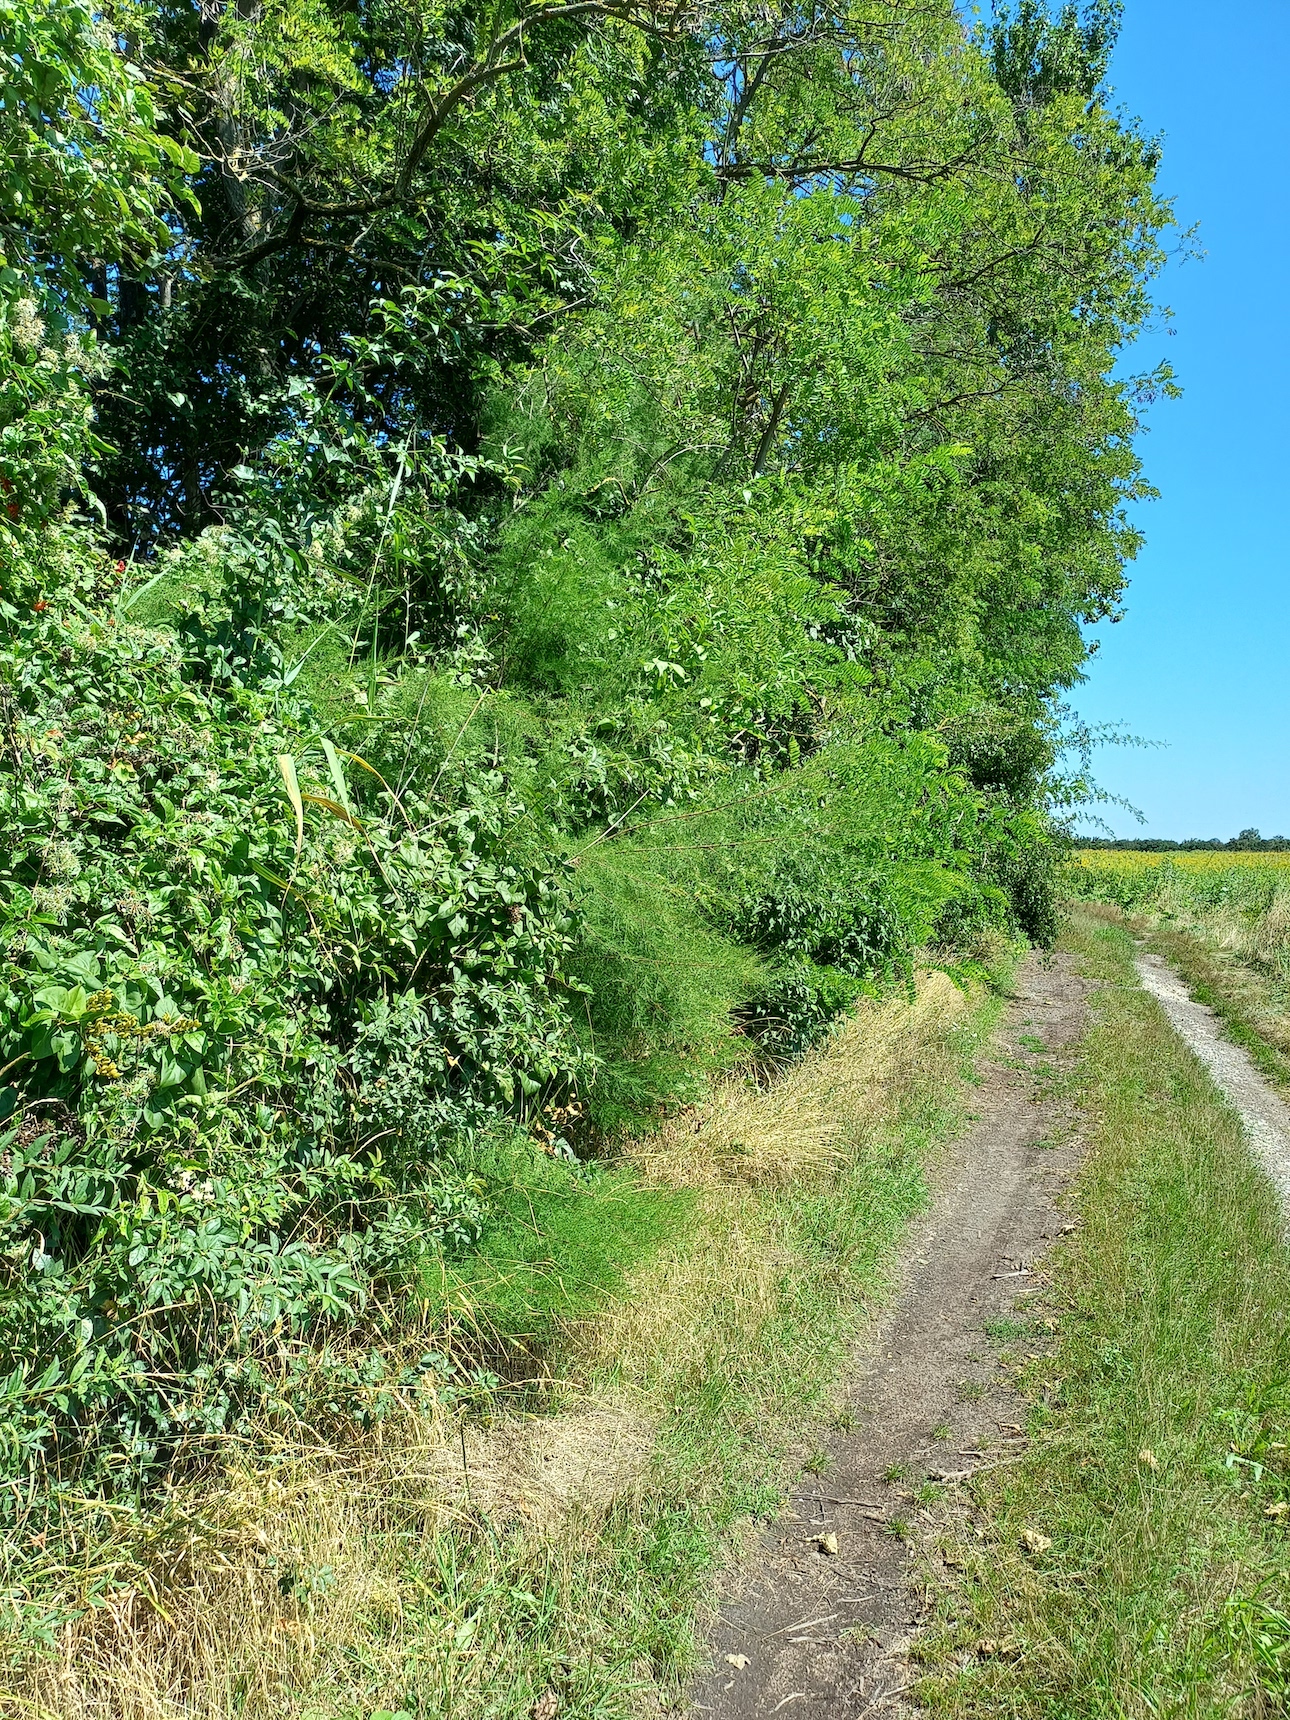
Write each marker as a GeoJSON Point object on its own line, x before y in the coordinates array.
{"type": "Point", "coordinates": [239, 1590]}
{"type": "Point", "coordinates": [243, 1597]}
{"type": "Point", "coordinates": [706, 1301]}
{"type": "Point", "coordinates": [806, 1120]}
{"type": "Point", "coordinates": [294, 1587]}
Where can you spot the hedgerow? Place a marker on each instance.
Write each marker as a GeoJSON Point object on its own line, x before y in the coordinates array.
{"type": "Point", "coordinates": [499, 622]}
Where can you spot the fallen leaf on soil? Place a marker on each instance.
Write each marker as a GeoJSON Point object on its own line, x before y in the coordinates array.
{"type": "Point", "coordinates": [738, 1661]}
{"type": "Point", "coordinates": [1278, 1508]}
{"type": "Point", "coordinates": [1147, 1456]}
{"type": "Point", "coordinates": [546, 1707]}
{"type": "Point", "coordinates": [1034, 1542]}
{"type": "Point", "coordinates": [986, 1647]}
{"type": "Point", "coordinates": [828, 1543]}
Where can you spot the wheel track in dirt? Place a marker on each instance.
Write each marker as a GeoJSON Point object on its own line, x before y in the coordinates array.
{"type": "Point", "coordinates": [812, 1632]}
{"type": "Point", "coordinates": [1264, 1114]}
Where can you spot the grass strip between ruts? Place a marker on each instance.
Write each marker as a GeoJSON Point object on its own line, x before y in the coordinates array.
{"type": "Point", "coordinates": [1135, 1563]}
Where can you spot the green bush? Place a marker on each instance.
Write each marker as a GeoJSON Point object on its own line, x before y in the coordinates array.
{"type": "Point", "coordinates": [797, 1006]}
{"type": "Point", "coordinates": [495, 707]}
{"type": "Point", "coordinates": [250, 998]}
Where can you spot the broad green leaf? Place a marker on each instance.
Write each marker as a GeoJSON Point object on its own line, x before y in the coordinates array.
{"type": "Point", "coordinates": [286, 764]}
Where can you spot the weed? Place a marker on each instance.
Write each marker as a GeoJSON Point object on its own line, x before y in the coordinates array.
{"type": "Point", "coordinates": [1256, 1635]}
{"type": "Point", "coordinates": [1005, 1329]}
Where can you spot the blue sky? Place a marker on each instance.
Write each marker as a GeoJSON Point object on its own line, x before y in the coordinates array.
{"type": "Point", "coordinates": [1202, 659]}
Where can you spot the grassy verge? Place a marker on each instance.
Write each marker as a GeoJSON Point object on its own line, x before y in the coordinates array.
{"type": "Point", "coordinates": [558, 1545]}
{"type": "Point", "coordinates": [1223, 921]}
{"type": "Point", "coordinates": [1135, 1561]}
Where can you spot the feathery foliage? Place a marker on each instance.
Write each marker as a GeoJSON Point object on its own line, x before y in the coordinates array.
{"type": "Point", "coordinates": [539, 547]}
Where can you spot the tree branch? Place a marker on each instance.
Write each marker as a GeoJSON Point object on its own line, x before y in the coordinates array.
{"type": "Point", "coordinates": [854, 167]}
{"type": "Point", "coordinates": [484, 73]}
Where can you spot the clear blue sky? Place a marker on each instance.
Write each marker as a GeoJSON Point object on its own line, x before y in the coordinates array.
{"type": "Point", "coordinates": [1202, 659]}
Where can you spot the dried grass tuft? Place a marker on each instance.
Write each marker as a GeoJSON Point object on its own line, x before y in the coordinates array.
{"type": "Point", "coordinates": [231, 1594]}
{"type": "Point", "coordinates": [236, 1599]}
{"type": "Point", "coordinates": [539, 1471]}
{"type": "Point", "coordinates": [706, 1300]}
{"type": "Point", "coordinates": [806, 1120]}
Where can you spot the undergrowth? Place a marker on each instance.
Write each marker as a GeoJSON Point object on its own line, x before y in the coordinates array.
{"type": "Point", "coordinates": [557, 1530]}
{"type": "Point", "coordinates": [1156, 1489]}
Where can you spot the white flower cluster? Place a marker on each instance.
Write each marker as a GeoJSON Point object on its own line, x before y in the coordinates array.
{"type": "Point", "coordinates": [25, 326]}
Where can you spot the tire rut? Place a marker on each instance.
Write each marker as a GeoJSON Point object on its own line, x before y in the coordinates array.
{"type": "Point", "coordinates": [822, 1617]}
{"type": "Point", "coordinates": [1264, 1114]}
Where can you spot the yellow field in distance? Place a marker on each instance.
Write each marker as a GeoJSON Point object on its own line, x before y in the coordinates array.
{"type": "Point", "coordinates": [1191, 860]}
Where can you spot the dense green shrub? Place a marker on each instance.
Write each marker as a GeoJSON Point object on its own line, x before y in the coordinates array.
{"type": "Point", "coordinates": [524, 582]}
{"type": "Point", "coordinates": [246, 1012]}
{"type": "Point", "coordinates": [797, 1006]}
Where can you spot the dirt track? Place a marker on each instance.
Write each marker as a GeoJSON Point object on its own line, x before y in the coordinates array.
{"type": "Point", "coordinates": [818, 1632]}
{"type": "Point", "coordinates": [1264, 1114]}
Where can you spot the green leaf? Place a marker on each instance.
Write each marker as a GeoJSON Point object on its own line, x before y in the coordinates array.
{"type": "Point", "coordinates": [287, 765]}
{"type": "Point", "coordinates": [337, 775]}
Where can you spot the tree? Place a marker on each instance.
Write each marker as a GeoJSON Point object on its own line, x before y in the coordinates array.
{"type": "Point", "coordinates": [599, 508]}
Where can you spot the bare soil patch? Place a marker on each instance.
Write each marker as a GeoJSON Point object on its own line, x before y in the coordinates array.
{"type": "Point", "coordinates": [822, 1618]}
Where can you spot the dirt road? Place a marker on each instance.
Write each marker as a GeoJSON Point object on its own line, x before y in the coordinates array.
{"type": "Point", "coordinates": [821, 1626]}
{"type": "Point", "coordinates": [1265, 1116]}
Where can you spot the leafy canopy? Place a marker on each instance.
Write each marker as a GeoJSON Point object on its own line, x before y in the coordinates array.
{"type": "Point", "coordinates": [540, 550]}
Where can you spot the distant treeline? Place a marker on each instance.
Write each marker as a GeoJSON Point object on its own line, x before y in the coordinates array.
{"type": "Point", "coordinates": [1248, 842]}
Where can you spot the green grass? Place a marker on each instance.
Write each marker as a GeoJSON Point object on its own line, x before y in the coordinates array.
{"type": "Point", "coordinates": [715, 1321]}
{"type": "Point", "coordinates": [612, 1611]}
{"type": "Point", "coordinates": [1225, 931]}
{"type": "Point", "coordinates": [1251, 1005]}
{"type": "Point", "coordinates": [1159, 1420]}
{"type": "Point", "coordinates": [558, 1242]}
